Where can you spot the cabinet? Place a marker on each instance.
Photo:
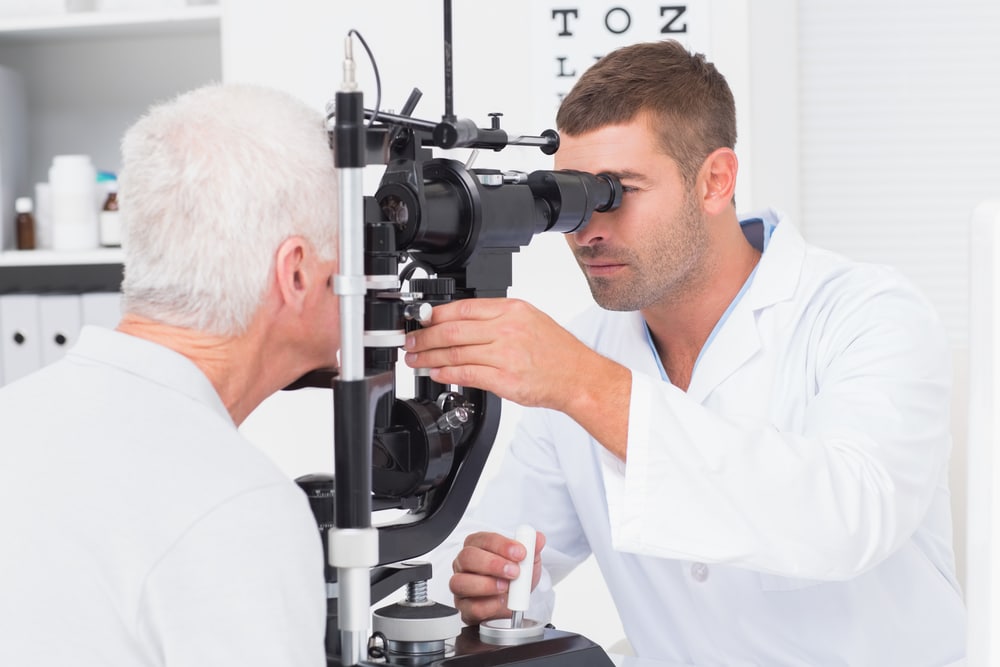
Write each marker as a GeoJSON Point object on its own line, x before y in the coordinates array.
{"type": "Point", "coordinates": [46, 297]}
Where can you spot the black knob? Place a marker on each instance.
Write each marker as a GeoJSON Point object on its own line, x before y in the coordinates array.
{"type": "Point", "coordinates": [59, 339]}
{"type": "Point", "coordinates": [433, 287]}
{"type": "Point", "coordinates": [19, 337]}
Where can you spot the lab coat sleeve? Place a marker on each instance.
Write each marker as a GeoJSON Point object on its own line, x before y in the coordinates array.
{"type": "Point", "coordinates": [827, 496]}
{"type": "Point", "coordinates": [529, 487]}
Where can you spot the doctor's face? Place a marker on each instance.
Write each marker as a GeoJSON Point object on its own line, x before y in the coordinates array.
{"type": "Point", "coordinates": [651, 248]}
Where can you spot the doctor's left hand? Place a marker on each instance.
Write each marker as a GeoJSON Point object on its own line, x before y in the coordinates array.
{"type": "Point", "coordinates": [505, 346]}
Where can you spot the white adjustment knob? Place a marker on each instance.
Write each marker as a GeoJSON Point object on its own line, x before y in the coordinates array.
{"type": "Point", "coordinates": [517, 629]}
{"type": "Point", "coordinates": [520, 588]}
{"type": "Point", "coordinates": [421, 312]}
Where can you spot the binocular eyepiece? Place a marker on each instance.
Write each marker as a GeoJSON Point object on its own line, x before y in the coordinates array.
{"type": "Point", "coordinates": [455, 212]}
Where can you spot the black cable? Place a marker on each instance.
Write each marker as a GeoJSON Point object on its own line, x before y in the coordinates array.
{"type": "Point", "coordinates": [378, 79]}
{"type": "Point", "coordinates": [449, 110]}
{"type": "Point", "coordinates": [412, 266]}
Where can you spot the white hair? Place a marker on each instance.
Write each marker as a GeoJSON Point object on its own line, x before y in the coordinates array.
{"type": "Point", "coordinates": [212, 182]}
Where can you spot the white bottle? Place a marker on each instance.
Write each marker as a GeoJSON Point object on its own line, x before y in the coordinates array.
{"type": "Point", "coordinates": [73, 186]}
{"type": "Point", "coordinates": [43, 216]}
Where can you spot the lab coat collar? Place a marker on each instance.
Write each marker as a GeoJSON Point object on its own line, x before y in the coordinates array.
{"type": "Point", "coordinates": [738, 340]}
{"type": "Point", "coordinates": [779, 269]}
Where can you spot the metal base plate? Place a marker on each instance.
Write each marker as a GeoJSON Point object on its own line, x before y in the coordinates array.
{"type": "Point", "coordinates": [498, 631]}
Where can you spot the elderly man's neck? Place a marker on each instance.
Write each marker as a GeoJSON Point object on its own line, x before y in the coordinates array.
{"type": "Point", "coordinates": [233, 364]}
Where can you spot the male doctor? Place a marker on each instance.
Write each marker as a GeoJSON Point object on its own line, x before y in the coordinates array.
{"type": "Point", "coordinates": [750, 435]}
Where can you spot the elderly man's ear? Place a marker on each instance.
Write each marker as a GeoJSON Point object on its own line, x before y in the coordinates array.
{"type": "Point", "coordinates": [292, 271]}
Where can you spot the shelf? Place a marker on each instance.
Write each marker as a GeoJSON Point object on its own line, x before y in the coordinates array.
{"type": "Point", "coordinates": [41, 271]}
{"type": "Point", "coordinates": [90, 25]}
{"type": "Point", "coordinates": [60, 257]}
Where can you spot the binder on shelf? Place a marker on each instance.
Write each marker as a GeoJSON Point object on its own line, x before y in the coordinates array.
{"type": "Point", "coordinates": [59, 322]}
{"type": "Point", "coordinates": [20, 336]}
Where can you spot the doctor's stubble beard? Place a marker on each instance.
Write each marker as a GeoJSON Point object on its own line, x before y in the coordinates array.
{"type": "Point", "coordinates": [662, 268]}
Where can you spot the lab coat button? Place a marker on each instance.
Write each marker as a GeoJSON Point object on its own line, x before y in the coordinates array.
{"type": "Point", "coordinates": [699, 572]}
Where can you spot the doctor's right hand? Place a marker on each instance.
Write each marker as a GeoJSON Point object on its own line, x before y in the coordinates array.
{"type": "Point", "coordinates": [484, 569]}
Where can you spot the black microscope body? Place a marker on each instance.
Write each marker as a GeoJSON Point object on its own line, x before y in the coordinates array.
{"type": "Point", "coordinates": [423, 456]}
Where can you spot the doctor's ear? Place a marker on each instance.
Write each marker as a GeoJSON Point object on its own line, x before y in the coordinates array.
{"type": "Point", "coordinates": [717, 180]}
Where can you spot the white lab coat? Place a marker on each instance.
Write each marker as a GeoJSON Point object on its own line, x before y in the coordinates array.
{"type": "Point", "coordinates": [792, 507]}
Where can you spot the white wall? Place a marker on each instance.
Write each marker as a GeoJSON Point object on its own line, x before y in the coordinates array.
{"type": "Point", "coordinates": [983, 595]}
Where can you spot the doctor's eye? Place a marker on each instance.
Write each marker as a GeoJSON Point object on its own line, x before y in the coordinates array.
{"type": "Point", "coordinates": [629, 188]}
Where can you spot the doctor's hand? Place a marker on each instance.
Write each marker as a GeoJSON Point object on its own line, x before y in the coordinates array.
{"type": "Point", "coordinates": [504, 346]}
{"type": "Point", "coordinates": [512, 349]}
{"type": "Point", "coordinates": [484, 569]}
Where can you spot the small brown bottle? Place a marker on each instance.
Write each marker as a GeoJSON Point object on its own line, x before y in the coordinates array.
{"type": "Point", "coordinates": [110, 228]}
{"type": "Point", "coordinates": [25, 222]}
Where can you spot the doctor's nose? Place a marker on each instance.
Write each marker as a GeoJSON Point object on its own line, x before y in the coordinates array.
{"type": "Point", "coordinates": [595, 231]}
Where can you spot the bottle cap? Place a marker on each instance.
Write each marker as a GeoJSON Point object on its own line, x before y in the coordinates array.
{"type": "Point", "coordinates": [23, 205]}
{"type": "Point", "coordinates": [71, 159]}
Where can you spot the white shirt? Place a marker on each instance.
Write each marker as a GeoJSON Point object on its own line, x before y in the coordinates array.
{"type": "Point", "coordinates": [140, 528]}
{"type": "Point", "coordinates": [790, 508]}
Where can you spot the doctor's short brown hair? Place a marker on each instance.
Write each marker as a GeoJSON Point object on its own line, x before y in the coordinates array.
{"type": "Point", "coordinates": [685, 97]}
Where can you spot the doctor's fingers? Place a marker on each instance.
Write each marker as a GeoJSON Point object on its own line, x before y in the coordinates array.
{"type": "Point", "coordinates": [522, 384]}
{"type": "Point", "coordinates": [450, 335]}
{"type": "Point", "coordinates": [477, 309]}
{"type": "Point", "coordinates": [479, 596]}
{"type": "Point", "coordinates": [491, 554]}
{"type": "Point", "coordinates": [477, 321]}
{"type": "Point", "coordinates": [497, 556]}
{"type": "Point", "coordinates": [474, 610]}
{"type": "Point", "coordinates": [471, 585]}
